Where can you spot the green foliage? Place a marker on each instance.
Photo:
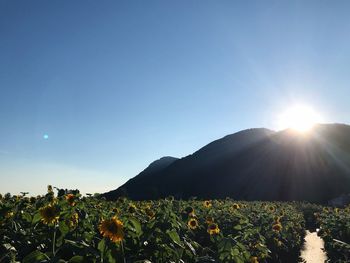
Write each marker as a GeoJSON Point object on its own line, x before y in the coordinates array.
{"type": "Point", "coordinates": [151, 231]}
{"type": "Point", "coordinates": [335, 231]}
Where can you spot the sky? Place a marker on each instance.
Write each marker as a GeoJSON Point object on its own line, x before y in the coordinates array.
{"type": "Point", "coordinates": [91, 92]}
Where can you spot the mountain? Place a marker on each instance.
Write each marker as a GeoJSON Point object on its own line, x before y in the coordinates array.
{"type": "Point", "coordinates": [153, 168]}
{"type": "Point", "coordinates": [255, 164]}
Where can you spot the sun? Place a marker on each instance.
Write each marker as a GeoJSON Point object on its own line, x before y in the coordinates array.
{"type": "Point", "coordinates": [300, 118]}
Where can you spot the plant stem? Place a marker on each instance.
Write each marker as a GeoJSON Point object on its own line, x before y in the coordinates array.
{"type": "Point", "coordinates": [123, 251]}
{"type": "Point", "coordinates": [54, 242]}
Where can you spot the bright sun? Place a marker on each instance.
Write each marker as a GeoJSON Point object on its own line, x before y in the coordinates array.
{"type": "Point", "coordinates": [300, 118]}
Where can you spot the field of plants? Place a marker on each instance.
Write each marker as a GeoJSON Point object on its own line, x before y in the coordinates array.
{"type": "Point", "coordinates": [66, 227]}
{"type": "Point", "coordinates": [335, 231]}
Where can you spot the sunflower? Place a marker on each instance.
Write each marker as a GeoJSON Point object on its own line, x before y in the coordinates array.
{"type": "Point", "coordinates": [49, 189]}
{"type": "Point", "coordinates": [132, 208]}
{"type": "Point", "coordinates": [70, 199]}
{"type": "Point", "coordinates": [209, 220]}
{"type": "Point", "coordinates": [235, 206]}
{"type": "Point", "coordinates": [73, 220]}
{"type": "Point", "coordinates": [149, 212]}
{"type": "Point", "coordinates": [254, 260]}
{"type": "Point", "coordinates": [189, 210]}
{"type": "Point", "coordinates": [277, 227]}
{"type": "Point", "coordinates": [277, 219]}
{"type": "Point", "coordinates": [207, 204]}
{"type": "Point", "coordinates": [271, 208]}
{"type": "Point", "coordinates": [9, 214]}
{"type": "Point", "coordinates": [49, 214]}
{"type": "Point", "coordinates": [116, 210]}
{"type": "Point", "coordinates": [112, 229]}
{"type": "Point", "coordinates": [277, 242]}
{"type": "Point", "coordinates": [213, 229]}
{"type": "Point", "coordinates": [192, 223]}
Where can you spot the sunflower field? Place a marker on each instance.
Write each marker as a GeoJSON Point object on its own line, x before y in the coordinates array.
{"type": "Point", "coordinates": [67, 227]}
{"type": "Point", "coordinates": [335, 231]}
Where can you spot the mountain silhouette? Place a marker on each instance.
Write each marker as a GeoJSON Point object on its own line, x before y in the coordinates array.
{"type": "Point", "coordinates": [254, 164]}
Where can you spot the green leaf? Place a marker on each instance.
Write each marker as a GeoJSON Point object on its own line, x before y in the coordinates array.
{"type": "Point", "coordinates": [238, 227]}
{"type": "Point", "coordinates": [235, 252]}
{"type": "Point", "coordinates": [225, 245]}
{"type": "Point", "coordinates": [64, 229]}
{"type": "Point", "coordinates": [110, 257]}
{"type": "Point", "coordinates": [36, 218]}
{"type": "Point", "coordinates": [27, 217]}
{"type": "Point", "coordinates": [136, 224]}
{"type": "Point", "coordinates": [102, 247]}
{"type": "Point", "coordinates": [238, 259]}
{"type": "Point", "coordinates": [174, 236]}
{"type": "Point", "coordinates": [189, 245]}
{"type": "Point", "coordinates": [34, 257]}
{"type": "Point", "coordinates": [76, 259]}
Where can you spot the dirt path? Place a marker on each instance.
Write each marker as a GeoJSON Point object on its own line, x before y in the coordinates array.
{"type": "Point", "coordinates": [312, 251]}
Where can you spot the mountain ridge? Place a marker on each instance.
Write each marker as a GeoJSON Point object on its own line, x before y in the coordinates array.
{"type": "Point", "coordinates": [255, 164]}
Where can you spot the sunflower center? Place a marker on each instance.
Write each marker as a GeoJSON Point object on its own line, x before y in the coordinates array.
{"type": "Point", "coordinates": [50, 213]}
{"type": "Point", "coordinates": [113, 227]}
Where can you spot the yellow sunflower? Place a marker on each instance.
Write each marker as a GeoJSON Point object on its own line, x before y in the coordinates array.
{"type": "Point", "coordinates": [49, 214]}
{"type": "Point", "coordinates": [112, 229]}
{"type": "Point", "coordinates": [213, 229]}
{"type": "Point", "coordinates": [9, 214]}
{"type": "Point", "coordinates": [73, 220]}
{"type": "Point", "coordinates": [235, 206]}
{"type": "Point", "coordinates": [192, 223]}
{"type": "Point", "coordinates": [209, 220]}
{"type": "Point", "coordinates": [70, 199]}
{"type": "Point", "coordinates": [277, 242]}
{"type": "Point", "coordinates": [277, 227]}
{"type": "Point", "coordinates": [49, 189]}
{"type": "Point", "coordinates": [271, 208]}
{"type": "Point", "coordinates": [277, 219]}
{"type": "Point", "coordinates": [132, 208]}
{"type": "Point", "coordinates": [116, 210]}
{"type": "Point", "coordinates": [190, 211]}
{"type": "Point", "coordinates": [150, 213]}
{"type": "Point", "coordinates": [207, 204]}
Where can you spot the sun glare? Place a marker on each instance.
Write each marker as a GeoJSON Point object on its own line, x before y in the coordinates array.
{"type": "Point", "coordinates": [299, 118]}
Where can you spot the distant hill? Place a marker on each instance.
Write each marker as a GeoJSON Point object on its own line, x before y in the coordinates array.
{"type": "Point", "coordinates": [153, 168]}
{"type": "Point", "coordinates": [255, 164]}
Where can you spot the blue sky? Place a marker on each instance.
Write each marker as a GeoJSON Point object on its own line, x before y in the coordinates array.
{"type": "Point", "coordinates": [118, 84]}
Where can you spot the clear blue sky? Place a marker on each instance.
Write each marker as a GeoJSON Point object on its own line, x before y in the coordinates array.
{"type": "Point", "coordinates": [118, 84]}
